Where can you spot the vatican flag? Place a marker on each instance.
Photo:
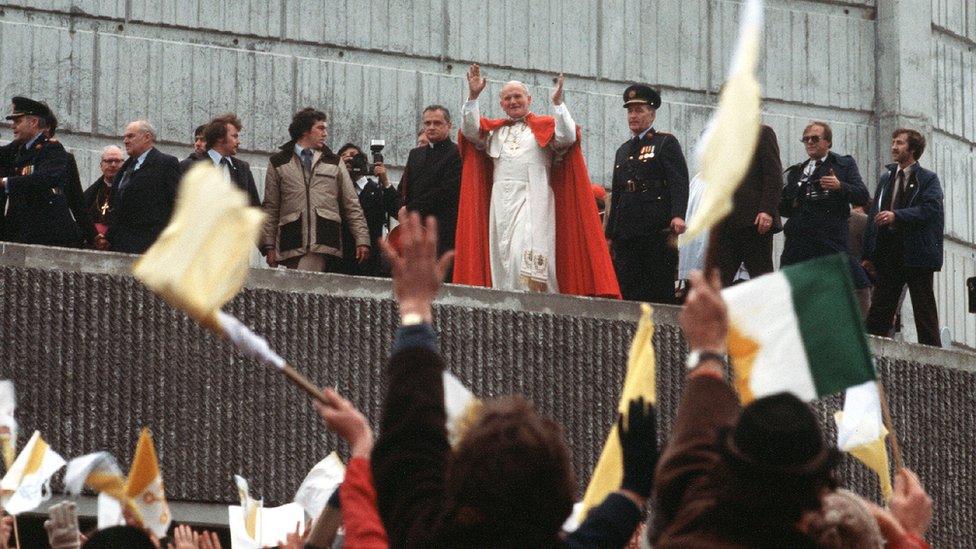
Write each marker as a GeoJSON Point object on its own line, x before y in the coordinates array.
{"type": "Point", "coordinates": [200, 261]}
{"type": "Point", "coordinates": [640, 381]}
{"type": "Point", "coordinates": [8, 424]}
{"type": "Point", "coordinates": [144, 487]}
{"type": "Point", "coordinates": [27, 483]}
{"type": "Point", "coordinates": [861, 431]}
{"type": "Point", "coordinates": [726, 148]}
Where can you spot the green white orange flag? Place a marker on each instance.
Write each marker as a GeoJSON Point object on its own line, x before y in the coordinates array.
{"type": "Point", "coordinates": [726, 147]}
{"type": "Point", "coordinates": [861, 431]}
{"type": "Point", "coordinates": [27, 483]}
{"type": "Point", "coordinates": [640, 381]}
{"type": "Point", "coordinates": [798, 330]}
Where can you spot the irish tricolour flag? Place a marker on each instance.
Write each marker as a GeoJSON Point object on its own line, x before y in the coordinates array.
{"type": "Point", "coordinates": [798, 330]}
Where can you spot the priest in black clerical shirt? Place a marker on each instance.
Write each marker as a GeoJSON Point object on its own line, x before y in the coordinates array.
{"type": "Point", "coordinates": [431, 182]}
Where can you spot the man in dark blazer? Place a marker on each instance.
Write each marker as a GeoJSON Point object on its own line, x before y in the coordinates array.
{"type": "Point", "coordinates": [222, 139]}
{"type": "Point", "coordinates": [431, 182]}
{"type": "Point", "coordinates": [379, 201]}
{"type": "Point", "coordinates": [817, 200]}
{"type": "Point", "coordinates": [648, 203]}
{"type": "Point", "coordinates": [746, 235]}
{"type": "Point", "coordinates": [903, 240]}
{"type": "Point", "coordinates": [142, 203]}
{"type": "Point", "coordinates": [37, 211]}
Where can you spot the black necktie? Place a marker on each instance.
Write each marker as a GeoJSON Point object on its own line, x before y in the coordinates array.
{"type": "Point", "coordinates": [126, 176]}
{"type": "Point", "coordinates": [900, 201]}
{"type": "Point", "coordinates": [307, 159]}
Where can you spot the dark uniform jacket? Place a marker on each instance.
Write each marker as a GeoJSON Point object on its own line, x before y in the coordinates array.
{"type": "Point", "coordinates": [240, 175]}
{"type": "Point", "coordinates": [38, 212]}
{"type": "Point", "coordinates": [650, 186]}
{"type": "Point", "coordinates": [819, 226]}
{"type": "Point", "coordinates": [7, 154]}
{"type": "Point", "coordinates": [919, 224]}
{"type": "Point", "coordinates": [761, 188]}
{"type": "Point", "coordinates": [141, 210]}
{"type": "Point", "coordinates": [378, 205]}
{"type": "Point", "coordinates": [431, 185]}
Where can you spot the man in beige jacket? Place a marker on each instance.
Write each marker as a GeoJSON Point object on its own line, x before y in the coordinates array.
{"type": "Point", "coordinates": [308, 195]}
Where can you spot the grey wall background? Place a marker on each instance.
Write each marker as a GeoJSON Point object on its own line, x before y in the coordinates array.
{"type": "Point", "coordinates": [865, 66]}
{"type": "Point", "coordinates": [95, 356]}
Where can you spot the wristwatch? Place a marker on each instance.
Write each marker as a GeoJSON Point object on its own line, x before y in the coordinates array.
{"type": "Point", "coordinates": [411, 319]}
{"type": "Point", "coordinates": [696, 357]}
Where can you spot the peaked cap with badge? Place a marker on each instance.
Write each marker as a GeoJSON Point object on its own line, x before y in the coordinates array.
{"type": "Point", "coordinates": [642, 94]}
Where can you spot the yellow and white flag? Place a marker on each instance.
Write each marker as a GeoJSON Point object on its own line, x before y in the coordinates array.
{"type": "Point", "coordinates": [99, 471]}
{"type": "Point", "coordinates": [253, 526]}
{"type": "Point", "coordinates": [726, 148]}
{"type": "Point", "coordinates": [319, 485]}
{"type": "Point", "coordinates": [640, 381]}
{"type": "Point", "coordinates": [200, 261]}
{"type": "Point", "coordinates": [144, 488]}
{"type": "Point", "coordinates": [8, 423]}
{"type": "Point", "coordinates": [27, 483]}
{"type": "Point", "coordinates": [861, 431]}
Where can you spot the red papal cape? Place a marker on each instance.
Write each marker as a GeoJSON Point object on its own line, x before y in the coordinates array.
{"type": "Point", "coordinates": [583, 265]}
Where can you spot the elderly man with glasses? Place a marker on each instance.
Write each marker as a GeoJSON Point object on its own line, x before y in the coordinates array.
{"type": "Point", "coordinates": [817, 198]}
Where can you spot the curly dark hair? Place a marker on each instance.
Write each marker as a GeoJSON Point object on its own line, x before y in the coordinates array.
{"type": "Point", "coordinates": [303, 121]}
{"type": "Point", "coordinates": [510, 481]}
{"type": "Point", "coordinates": [216, 129]}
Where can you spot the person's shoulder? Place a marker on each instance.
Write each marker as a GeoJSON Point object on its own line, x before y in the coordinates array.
{"type": "Point", "coordinates": [280, 158]}
{"type": "Point", "coordinates": [845, 160]}
{"type": "Point", "coordinates": [163, 157]}
{"type": "Point", "coordinates": [241, 164]}
{"type": "Point", "coordinates": [664, 137]}
{"type": "Point", "coordinates": [50, 145]}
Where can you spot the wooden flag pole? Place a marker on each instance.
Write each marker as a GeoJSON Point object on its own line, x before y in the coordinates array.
{"type": "Point", "coordinates": [16, 533]}
{"type": "Point", "coordinates": [303, 383]}
{"type": "Point", "coordinates": [892, 437]}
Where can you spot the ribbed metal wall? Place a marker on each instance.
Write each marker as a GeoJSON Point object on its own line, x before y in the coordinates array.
{"type": "Point", "coordinates": [95, 357]}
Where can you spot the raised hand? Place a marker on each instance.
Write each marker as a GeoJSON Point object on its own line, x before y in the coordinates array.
{"type": "Point", "coordinates": [184, 537]}
{"type": "Point", "coordinates": [476, 82]}
{"type": "Point", "coordinates": [62, 527]}
{"type": "Point", "coordinates": [638, 441]}
{"type": "Point", "coordinates": [345, 420]}
{"type": "Point", "coordinates": [557, 94]}
{"type": "Point", "coordinates": [417, 271]}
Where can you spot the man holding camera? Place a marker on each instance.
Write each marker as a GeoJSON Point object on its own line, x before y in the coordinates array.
{"type": "Point", "coordinates": [817, 199]}
{"type": "Point", "coordinates": [378, 200]}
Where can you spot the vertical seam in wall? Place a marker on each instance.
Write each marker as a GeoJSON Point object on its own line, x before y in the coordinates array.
{"type": "Point", "coordinates": [96, 78]}
{"type": "Point", "coordinates": [128, 11]}
{"type": "Point", "coordinates": [446, 40]}
{"type": "Point", "coordinates": [294, 84]}
{"type": "Point", "coordinates": [599, 40]}
{"type": "Point", "coordinates": [283, 19]}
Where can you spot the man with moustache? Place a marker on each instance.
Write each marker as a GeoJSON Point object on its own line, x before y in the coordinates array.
{"type": "Point", "coordinates": [903, 239]}
{"type": "Point", "coordinates": [222, 138]}
{"type": "Point", "coordinates": [527, 220]}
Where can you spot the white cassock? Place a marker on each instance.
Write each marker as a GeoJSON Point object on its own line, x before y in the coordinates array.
{"type": "Point", "coordinates": [522, 217]}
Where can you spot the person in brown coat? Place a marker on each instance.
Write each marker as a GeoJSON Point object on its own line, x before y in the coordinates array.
{"type": "Point", "coordinates": [746, 235]}
{"type": "Point", "coordinates": [733, 476]}
{"type": "Point", "coordinates": [308, 196]}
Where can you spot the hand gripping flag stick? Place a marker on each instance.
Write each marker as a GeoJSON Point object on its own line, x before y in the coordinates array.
{"type": "Point", "coordinates": [200, 262]}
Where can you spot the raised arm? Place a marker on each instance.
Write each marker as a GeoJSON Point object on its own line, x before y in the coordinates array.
{"type": "Point", "coordinates": [565, 125]}
{"type": "Point", "coordinates": [470, 112]}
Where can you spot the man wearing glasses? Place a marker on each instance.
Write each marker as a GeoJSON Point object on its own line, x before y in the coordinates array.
{"type": "Point", "coordinates": [97, 196]}
{"type": "Point", "coordinates": [817, 199]}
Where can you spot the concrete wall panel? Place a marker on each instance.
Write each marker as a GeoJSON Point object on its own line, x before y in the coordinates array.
{"type": "Point", "coordinates": [955, 163]}
{"type": "Point", "coordinates": [956, 16]}
{"type": "Point", "coordinates": [951, 293]}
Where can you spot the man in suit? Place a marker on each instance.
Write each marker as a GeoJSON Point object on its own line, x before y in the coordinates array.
{"type": "Point", "coordinates": [746, 235]}
{"type": "Point", "coordinates": [903, 240]}
{"type": "Point", "coordinates": [37, 211]}
{"type": "Point", "coordinates": [817, 200]}
{"type": "Point", "coordinates": [379, 201]}
{"type": "Point", "coordinates": [431, 182]}
{"type": "Point", "coordinates": [222, 138]}
{"type": "Point", "coordinates": [74, 194]}
{"type": "Point", "coordinates": [648, 203]}
{"type": "Point", "coordinates": [142, 203]}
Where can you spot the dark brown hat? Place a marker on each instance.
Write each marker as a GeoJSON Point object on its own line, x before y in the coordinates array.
{"type": "Point", "coordinates": [779, 434]}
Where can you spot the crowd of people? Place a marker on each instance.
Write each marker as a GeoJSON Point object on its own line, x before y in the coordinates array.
{"type": "Point", "coordinates": [729, 476]}
{"type": "Point", "coordinates": [513, 196]}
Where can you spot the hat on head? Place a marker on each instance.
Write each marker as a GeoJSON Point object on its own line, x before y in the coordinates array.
{"type": "Point", "coordinates": [642, 94]}
{"type": "Point", "coordinates": [23, 106]}
{"type": "Point", "coordinates": [779, 434]}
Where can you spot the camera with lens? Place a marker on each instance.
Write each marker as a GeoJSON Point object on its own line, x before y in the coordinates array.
{"type": "Point", "coordinates": [360, 165]}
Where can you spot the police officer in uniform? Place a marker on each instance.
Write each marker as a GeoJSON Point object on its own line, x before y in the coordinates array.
{"type": "Point", "coordinates": [37, 210]}
{"type": "Point", "coordinates": [648, 203]}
